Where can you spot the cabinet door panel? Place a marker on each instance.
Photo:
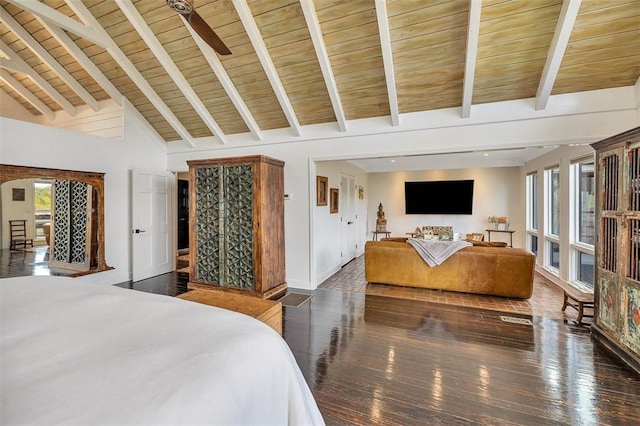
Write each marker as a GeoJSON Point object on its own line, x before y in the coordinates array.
{"type": "Point", "coordinates": [630, 309]}
{"type": "Point", "coordinates": [238, 226]}
{"type": "Point", "coordinates": [207, 225]}
{"type": "Point", "coordinates": [608, 301]}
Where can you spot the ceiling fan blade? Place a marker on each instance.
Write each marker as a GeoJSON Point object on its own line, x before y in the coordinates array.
{"type": "Point", "coordinates": [208, 35]}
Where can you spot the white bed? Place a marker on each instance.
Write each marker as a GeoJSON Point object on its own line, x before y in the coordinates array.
{"type": "Point", "coordinates": [79, 353]}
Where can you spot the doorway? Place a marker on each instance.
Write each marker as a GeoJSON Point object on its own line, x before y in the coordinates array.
{"type": "Point", "coordinates": [182, 225]}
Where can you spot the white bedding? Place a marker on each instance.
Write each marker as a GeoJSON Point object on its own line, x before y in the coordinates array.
{"type": "Point", "coordinates": [77, 353]}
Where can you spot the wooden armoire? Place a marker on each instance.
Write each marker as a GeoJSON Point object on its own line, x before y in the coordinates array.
{"type": "Point", "coordinates": [236, 216]}
{"type": "Point", "coordinates": [617, 271]}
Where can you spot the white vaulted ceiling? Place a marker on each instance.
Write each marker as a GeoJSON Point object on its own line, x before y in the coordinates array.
{"type": "Point", "coordinates": [296, 64]}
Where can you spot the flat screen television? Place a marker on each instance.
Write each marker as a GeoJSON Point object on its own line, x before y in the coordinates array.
{"type": "Point", "coordinates": [439, 197]}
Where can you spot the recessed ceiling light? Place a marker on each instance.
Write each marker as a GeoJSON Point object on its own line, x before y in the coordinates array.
{"type": "Point", "coordinates": [486, 154]}
{"type": "Point", "coordinates": [393, 161]}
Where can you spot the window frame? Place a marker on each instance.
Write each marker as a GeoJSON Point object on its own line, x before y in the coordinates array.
{"type": "Point", "coordinates": [577, 247]}
{"type": "Point", "coordinates": [532, 205]}
{"type": "Point", "coordinates": [549, 237]}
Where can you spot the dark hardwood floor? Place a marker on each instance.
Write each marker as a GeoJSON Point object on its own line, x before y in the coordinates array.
{"type": "Point", "coordinates": [377, 360]}
{"type": "Point", "coordinates": [30, 261]}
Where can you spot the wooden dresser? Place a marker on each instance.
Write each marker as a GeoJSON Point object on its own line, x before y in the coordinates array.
{"type": "Point", "coordinates": [236, 219]}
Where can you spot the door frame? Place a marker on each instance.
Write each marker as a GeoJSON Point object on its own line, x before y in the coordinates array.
{"type": "Point", "coordinates": [138, 274]}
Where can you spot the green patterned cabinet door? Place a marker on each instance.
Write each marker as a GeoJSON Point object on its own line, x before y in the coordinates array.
{"type": "Point", "coordinates": [237, 220]}
{"type": "Point", "coordinates": [238, 226]}
{"type": "Point", "coordinates": [208, 198]}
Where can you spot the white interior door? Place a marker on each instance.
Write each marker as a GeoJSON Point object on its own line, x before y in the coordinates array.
{"type": "Point", "coordinates": [152, 216]}
{"type": "Point", "coordinates": [347, 210]}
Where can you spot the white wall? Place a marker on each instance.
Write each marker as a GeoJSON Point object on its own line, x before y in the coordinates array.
{"type": "Point", "coordinates": [39, 146]}
{"type": "Point", "coordinates": [326, 226]}
{"type": "Point", "coordinates": [16, 210]}
{"type": "Point", "coordinates": [496, 192]}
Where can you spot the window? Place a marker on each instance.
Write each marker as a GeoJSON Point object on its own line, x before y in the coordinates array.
{"type": "Point", "coordinates": [42, 207]}
{"type": "Point", "coordinates": [554, 255]}
{"type": "Point", "coordinates": [554, 201]}
{"type": "Point", "coordinates": [533, 244]}
{"type": "Point", "coordinates": [582, 222]}
{"type": "Point", "coordinates": [552, 218]}
{"type": "Point", "coordinates": [585, 202]}
{"type": "Point", "coordinates": [532, 212]}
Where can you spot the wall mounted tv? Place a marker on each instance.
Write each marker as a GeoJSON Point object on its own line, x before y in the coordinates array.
{"type": "Point", "coordinates": [439, 197]}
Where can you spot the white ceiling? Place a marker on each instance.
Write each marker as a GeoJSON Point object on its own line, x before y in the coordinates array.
{"type": "Point", "coordinates": [462, 160]}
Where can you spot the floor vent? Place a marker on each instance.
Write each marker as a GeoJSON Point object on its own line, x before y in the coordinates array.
{"type": "Point", "coordinates": [516, 320]}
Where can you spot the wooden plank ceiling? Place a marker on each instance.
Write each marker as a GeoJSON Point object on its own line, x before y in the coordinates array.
{"type": "Point", "coordinates": [299, 63]}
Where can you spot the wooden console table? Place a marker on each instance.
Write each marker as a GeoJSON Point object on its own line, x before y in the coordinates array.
{"type": "Point", "coordinates": [502, 231]}
{"type": "Point", "coordinates": [375, 234]}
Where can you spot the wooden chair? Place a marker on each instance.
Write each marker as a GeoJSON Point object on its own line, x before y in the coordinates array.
{"type": "Point", "coordinates": [18, 231]}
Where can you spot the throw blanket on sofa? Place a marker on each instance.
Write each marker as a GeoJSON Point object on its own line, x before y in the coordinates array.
{"type": "Point", "coordinates": [436, 252]}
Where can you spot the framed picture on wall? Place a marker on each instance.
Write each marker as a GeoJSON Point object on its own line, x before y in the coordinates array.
{"type": "Point", "coordinates": [18, 194]}
{"type": "Point", "coordinates": [322, 183]}
{"type": "Point", "coordinates": [334, 198]}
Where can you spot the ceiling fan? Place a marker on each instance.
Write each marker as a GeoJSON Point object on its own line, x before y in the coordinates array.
{"type": "Point", "coordinates": [187, 11]}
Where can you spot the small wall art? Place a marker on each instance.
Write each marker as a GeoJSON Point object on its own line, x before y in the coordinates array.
{"type": "Point", "coordinates": [322, 183]}
{"type": "Point", "coordinates": [18, 194]}
{"type": "Point", "coordinates": [360, 193]}
{"type": "Point", "coordinates": [334, 199]}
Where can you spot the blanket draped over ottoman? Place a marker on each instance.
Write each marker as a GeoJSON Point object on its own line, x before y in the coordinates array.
{"type": "Point", "coordinates": [436, 252]}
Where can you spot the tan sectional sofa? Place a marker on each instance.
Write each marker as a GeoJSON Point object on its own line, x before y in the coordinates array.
{"type": "Point", "coordinates": [498, 271]}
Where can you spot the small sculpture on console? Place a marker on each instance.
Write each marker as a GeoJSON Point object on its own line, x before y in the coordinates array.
{"type": "Point", "coordinates": [381, 222]}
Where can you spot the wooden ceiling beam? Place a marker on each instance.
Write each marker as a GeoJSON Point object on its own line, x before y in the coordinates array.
{"type": "Point", "coordinates": [473, 31]}
{"type": "Point", "coordinates": [56, 18]}
{"type": "Point", "coordinates": [387, 58]}
{"type": "Point", "coordinates": [133, 73]}
{"type": "Point", "coordinates": [170, 67]}
{"type": "Point", "coordinates": [26, 94]}
{"type": "Point", "coordinates": [227, 84]}
{"type": "Point", "coordinates": [49, 60]}
{"type": "Point", "coordinates": [77, 54]}
{"type": "Point", "coordinates": [16, 63]}
{"type": "Point", "coordinates": [250, 26]}
{"type": "Point", "coordinates": [315, 31]}
{"type": "Point", "coordinates": [564, 27]}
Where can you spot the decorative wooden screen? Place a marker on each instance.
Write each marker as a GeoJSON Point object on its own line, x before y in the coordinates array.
{"type": "Point", "coordinates": [71, 224]}
{"type": "Point", "coordinates": [609, 241]}
{"type": "Point", "coordinates": [610, 168]}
